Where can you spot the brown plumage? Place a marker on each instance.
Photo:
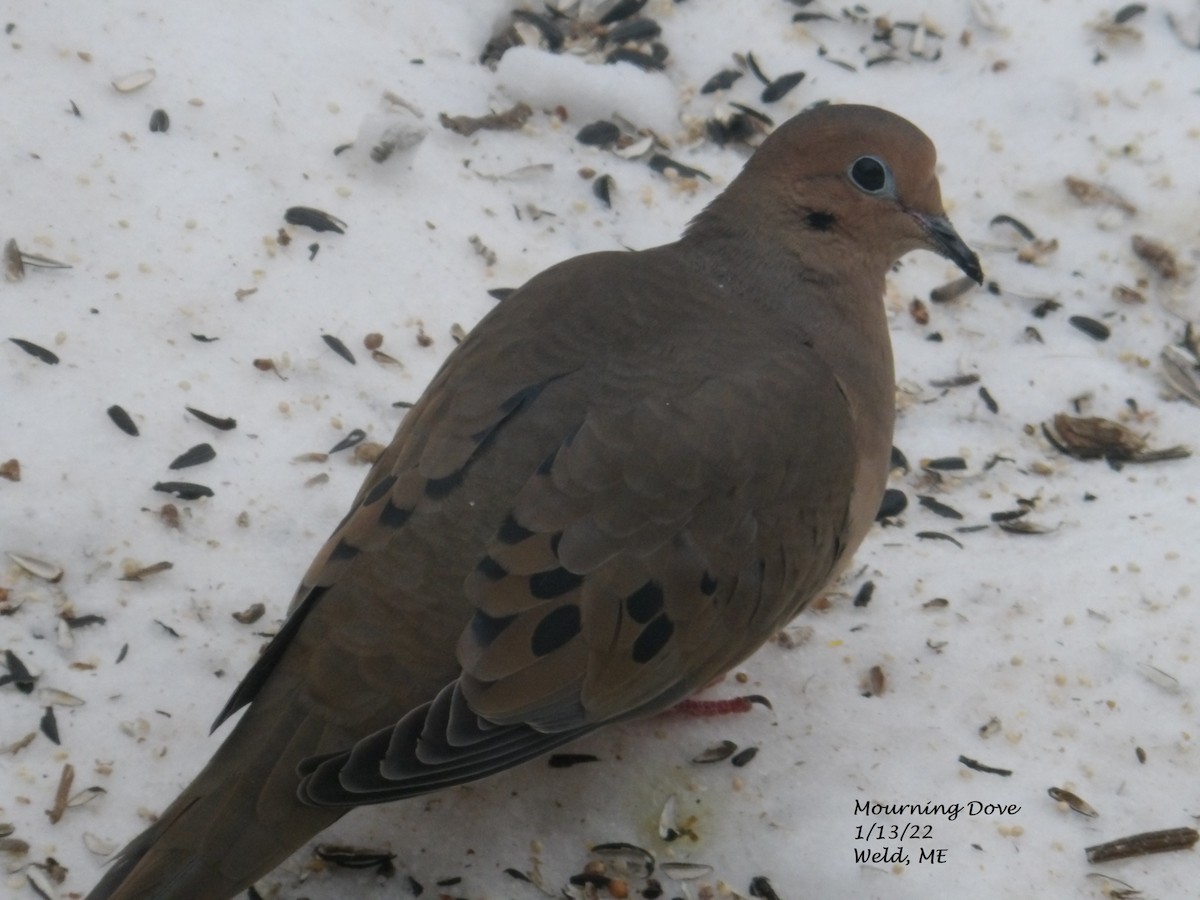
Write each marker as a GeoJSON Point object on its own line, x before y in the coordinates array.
{"type": "Point", "coordinates": [630, 475]}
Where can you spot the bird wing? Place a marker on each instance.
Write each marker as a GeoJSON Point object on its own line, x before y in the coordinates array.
{"type": "Point", "coordinates": [572, 537]}
{"type": "Point", "coordinates": [656, 546]}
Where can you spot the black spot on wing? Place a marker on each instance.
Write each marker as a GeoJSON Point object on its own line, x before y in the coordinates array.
{"type": "Point", "coordinates": [485, 628]}
{"type": "Point", "coordinates": [653, 638]}
{"type": "Point", "coordinates": [555, 629]}
{"type": "Point", "coordinates": [490, 569]}
{"type": "Point", "coordinates": [437, 488]}
{"type": "Point", "coordinates": [708, 585]}
{"type": "Point", "coordinates": [645, 603]}
{"type": "Point", "coordinates": [379, 490]}
{"type": "Point", "coordinates": [553, 583]}
{"type": "Point", "coordinates": [343, 551]}
{"type": "Point", "coordinates": [394, 516]}
{"type": "Point", "coordinates": [512, 531]}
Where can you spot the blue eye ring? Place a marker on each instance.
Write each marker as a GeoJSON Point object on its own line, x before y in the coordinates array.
{"type": "Point", "coordinates": [871, 175]}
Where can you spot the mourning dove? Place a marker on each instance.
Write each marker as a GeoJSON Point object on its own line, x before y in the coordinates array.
{"type": "Point", "coordinates": [631, 474]}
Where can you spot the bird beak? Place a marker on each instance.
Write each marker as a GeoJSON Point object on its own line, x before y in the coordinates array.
{"type": "Point", "coordinates": [945, 240]}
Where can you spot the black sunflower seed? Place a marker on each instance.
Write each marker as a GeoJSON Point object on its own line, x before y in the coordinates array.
{"type": "Point", "coordinates": [811, 17]}
{"type": "Point", "coordinates": [634, 30]}
{"type": "Point", "coordinates": [339, 348]}
{"type": "Point", "coordinates": [938, 508]}
{"type": "Point", "coordinates": [598, 134]}
{"type": "Point", "coordinates": [223, 424]}
{"type": "Point", "coordinates": [945, 464]}
{"type": "Point", "coordinates": [721, 81]}
{"type": "Point", "coordinates": [616, 10]}
{"type": "Point", "coordinates": [316, 219]}
{"type": "Point", "coordinates": [1127, 12]}
{"type": "Point", "coordinates": [602, 188]}
{"type": "Point", "coordinates": [865, 593]}
{"type": "Point", "coordinates": [643, 61]}
{"type": "Point", "coordinates": [894, 502]}
{"type": "Point", "coordinates": [49, 725]}
{"type": "Point", "coordinates": [1093, 329]}
{"type": "Point", "coordinates": [51, 359]}
{"type": "Point", "coordinates": [18, 673]}
{"type": "Point", "coordinates": [184, 490]}
{"type": "Point", "coordinates": [122, 420]}
{"type": "Point", "coordinates": [938, 536]}
{"type": "Point", "coordinates": [194, 456]}
{"type": "Point", "coordinates": [977, 766]}
{"type": "Point", "coordinates": [84, 621]}
{"type": "Point", "coordinates": [755, 70]}
{"type": "Point", "coordinates": [761, 887]}
{"type": "Point", "coordinates": [779, 88]}
{"type": "Point", "coordinates": [1016, 224]}
{"type": "Point", "coordinates": [1046, 307]}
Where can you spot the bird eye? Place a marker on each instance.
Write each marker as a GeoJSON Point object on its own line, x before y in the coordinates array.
{"type": "Point", "coordinates": [871, 174]}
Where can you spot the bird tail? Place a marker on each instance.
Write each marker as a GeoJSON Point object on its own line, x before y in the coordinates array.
{"type": "Point", "coordinates": [238, 820]}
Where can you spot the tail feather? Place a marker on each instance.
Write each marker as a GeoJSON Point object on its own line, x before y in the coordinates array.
{"type": "Point", "coordinates": [238, 820]}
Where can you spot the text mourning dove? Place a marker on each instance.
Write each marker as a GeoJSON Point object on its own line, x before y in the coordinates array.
{"type": "Point", "coordinates": [632, 473]}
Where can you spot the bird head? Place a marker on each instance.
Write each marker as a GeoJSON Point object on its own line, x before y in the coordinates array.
{"type": "Point", "coordinates": [856, 184]}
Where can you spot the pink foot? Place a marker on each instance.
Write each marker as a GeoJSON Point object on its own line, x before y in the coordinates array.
{"type": "Point", "coordinates": [694, 706]}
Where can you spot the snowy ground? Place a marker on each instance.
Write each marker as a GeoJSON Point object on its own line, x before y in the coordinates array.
{"type": "Point", "coordinates": [1067, 657]}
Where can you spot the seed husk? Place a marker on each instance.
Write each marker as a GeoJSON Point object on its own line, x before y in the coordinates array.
{"type": "Point", "coordinates": [509, 120]}
{"type": "Point", "coordinates": [716, 753]}
{"type": "Point", "coordinates": [134, 80]}
{"type": "Point", "coordinates": [1073, 801]}
{"type": "Point", "coordinates": [664, 164]}
{"type": "Point", "coordinates": [355, 436]}
{"type": "Point", "coordinates": [39, 568]}
{"type": "Point", "coordinates": [1143, 844]}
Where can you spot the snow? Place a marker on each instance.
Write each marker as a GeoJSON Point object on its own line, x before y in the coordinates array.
{"type": "Point", "coordinates": [589, 91]}
{"type": "Point", "coordinates": [1079, 642]}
